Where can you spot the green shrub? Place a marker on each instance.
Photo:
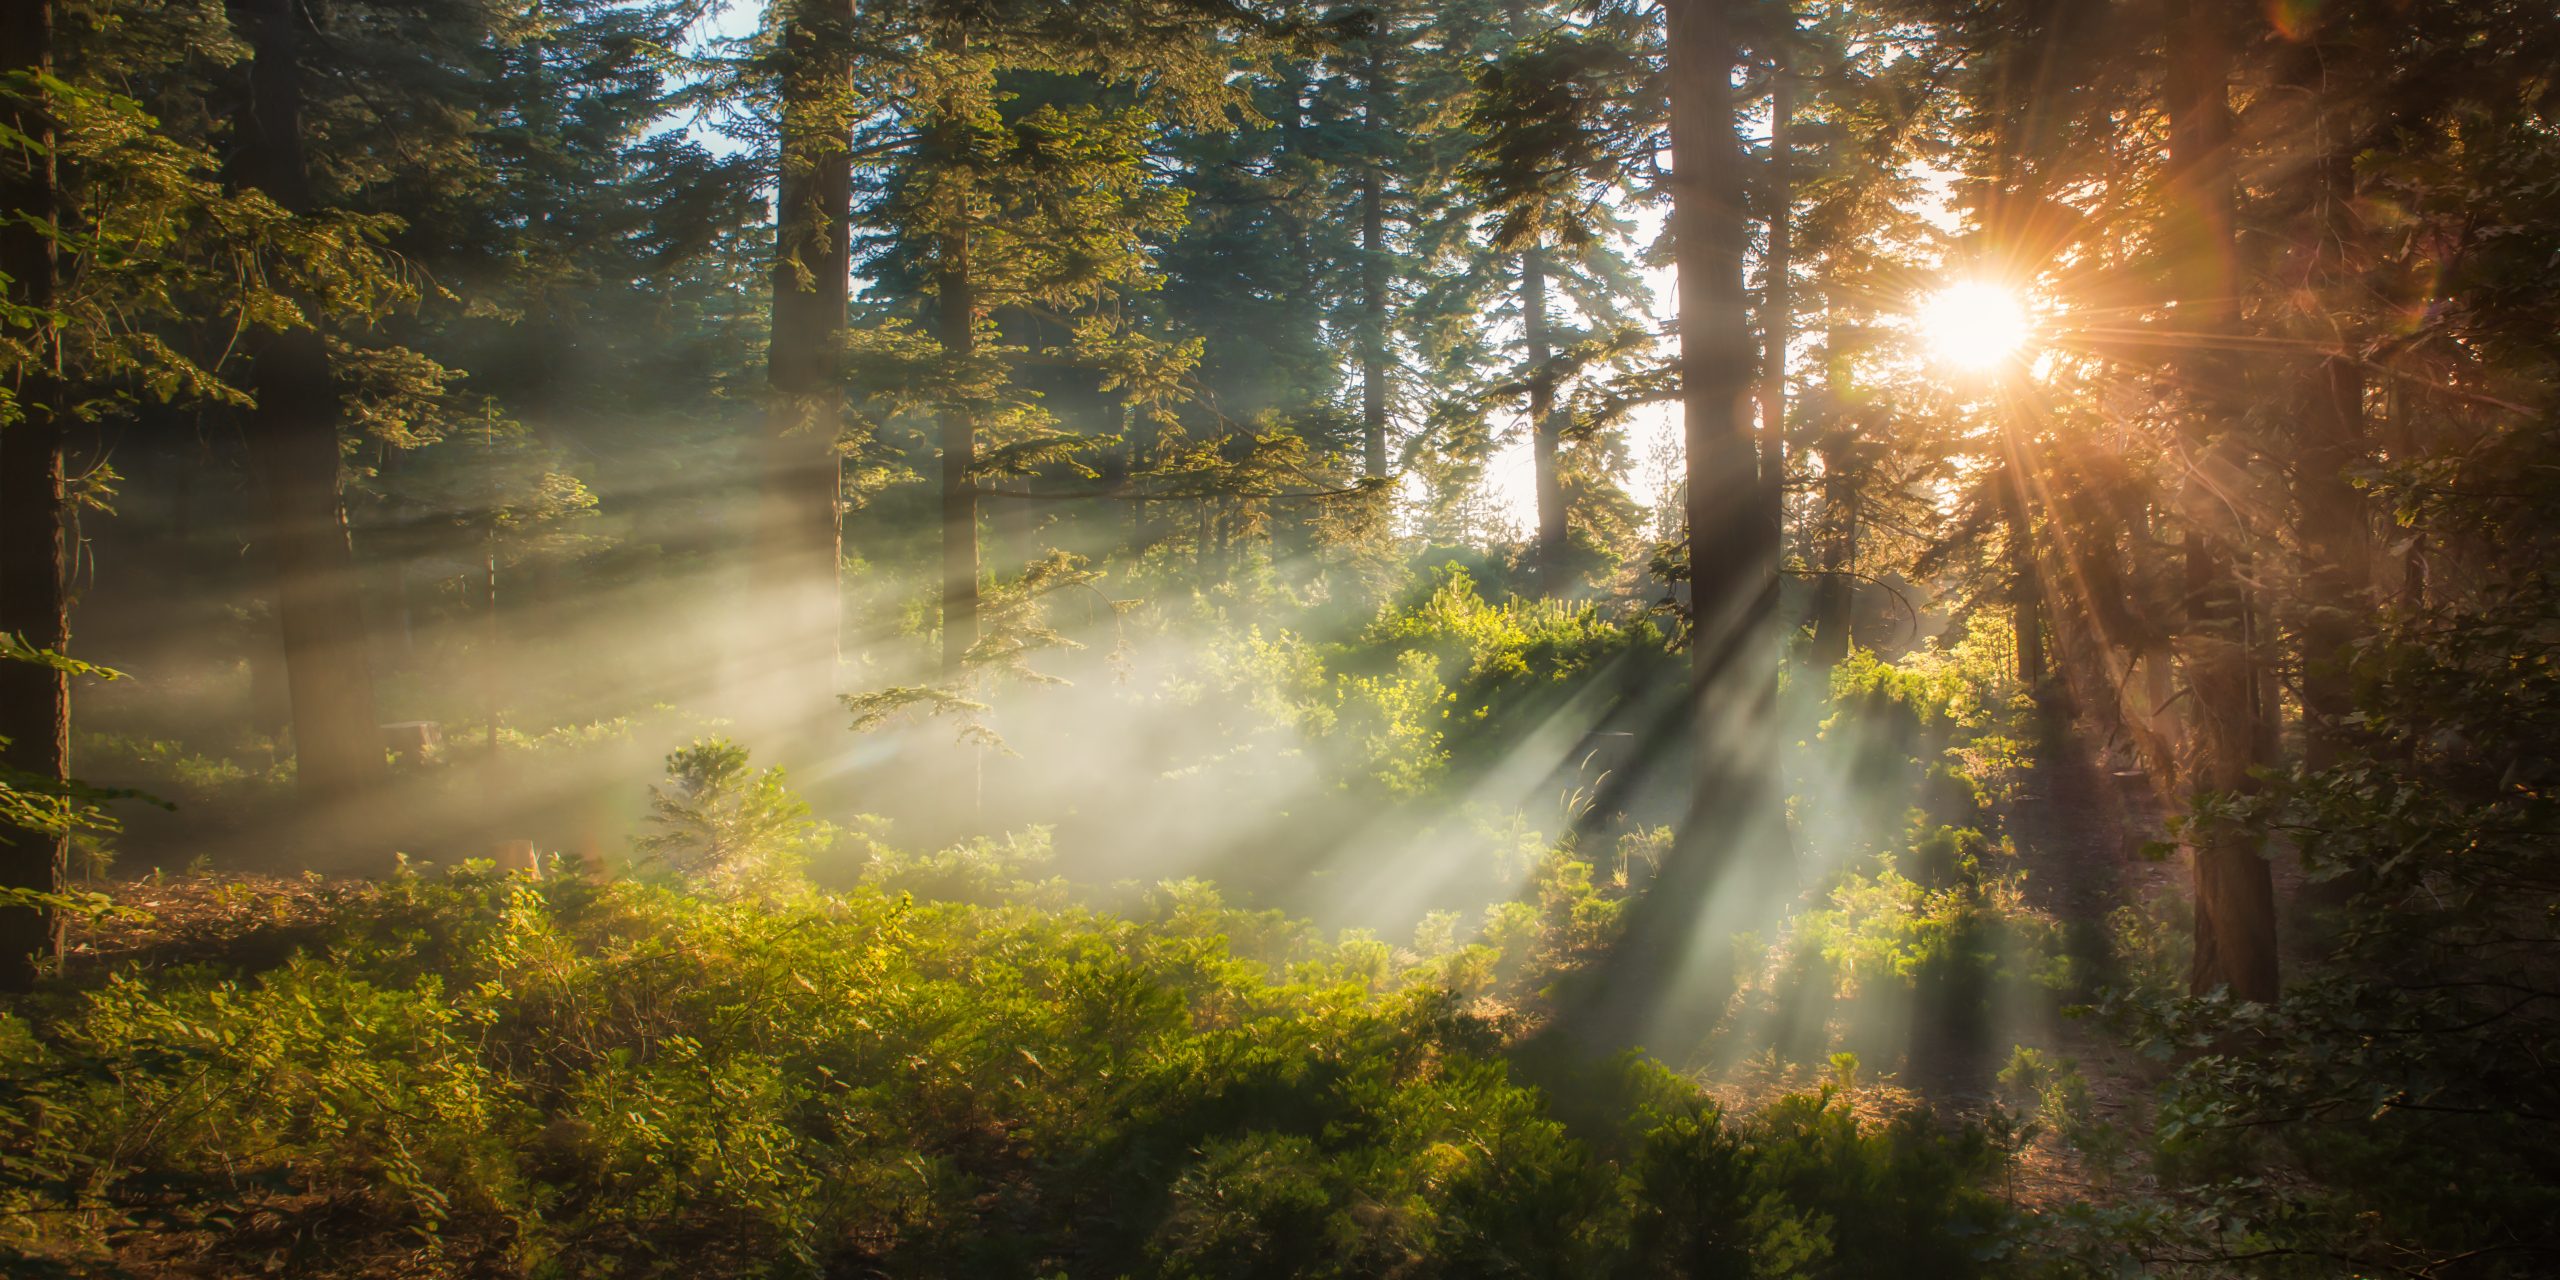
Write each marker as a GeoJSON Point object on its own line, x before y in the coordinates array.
{"type": "Point", "coordinates": [468, 1074]}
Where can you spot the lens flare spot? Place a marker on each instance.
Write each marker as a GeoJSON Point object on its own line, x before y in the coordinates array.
{"type": "Point", "coordinates": [1974, 325]}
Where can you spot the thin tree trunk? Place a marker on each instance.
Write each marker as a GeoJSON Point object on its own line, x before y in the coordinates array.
{"type": "Point", "coordinates": [2234, 890]}
{"type": "Point", "coordinates": [957, 330]}
{"type": "Point", "coordinates": [1373, 289]}
{"type": "Point", "coordinates": [959, 457]}
{"type": "Point", "coordinates": [1835, 594]}
{"type": "Point", "coordinates": [1546, 432]}
{"type": "Point", "coordinates": [2334, 523]}
{"type": "Point", "coordinates": [1777, 307]}
{"type": "Point", "coordinates": [1306, 296]}
{"type": "Point", "coordinates": [293, 439]}
{"type": "Point", "coordinates": [798, 528]}
{"type": "Point", "coordinates": [2026, 583]}
{"type": "Point", "coordinates": [959, 319]}
{"type": "Point", "coordinates": [35, 701]}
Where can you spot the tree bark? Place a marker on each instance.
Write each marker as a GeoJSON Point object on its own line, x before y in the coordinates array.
{"type": "Point", "coordinates": [1777, 306]}
{"type": "Point", "coordinates": [1732, 568]}
{"type": "Point", "coordinates": [1835, 593]}
{"type": "Point", "coordinates": [958, 331]}
{"type": "Point", "coordinates": [35, 701]}
{"type": "Point", "coordinates": [799, 526]}
{"type": "Point", "coordinates": [293, 439]}
{"type": "Point", "coordinates": [959, 457]}
{"type": "Point", "coordinates": [1373, 285]}
{"type": "Point", "coordinates": [1546, 433]}
{"type": "Point", "coordinates": [2333, 522]}
{"type": "Point", "coordinates": [1662, 984]}
{"type": "Point", "coordinates": [2234, 890]}
{"type": "Point", "coordinates": [2026, 583]}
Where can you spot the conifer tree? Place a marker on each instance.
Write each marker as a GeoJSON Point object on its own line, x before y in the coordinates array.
{"type": "Point", "coordinates": [1555, 125]}
{"type": "Point", "coordinates": [35, 698]}
{"type": "Point", "coordinates": [990, 202]}
{"type": "Point", "coordinates": [798, 525]}
{"type": "Point", "coordinates": [293, 436]}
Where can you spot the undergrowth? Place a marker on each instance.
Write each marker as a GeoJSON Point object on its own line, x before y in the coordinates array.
{"type": "Point", "coordinates": [470, 1073]}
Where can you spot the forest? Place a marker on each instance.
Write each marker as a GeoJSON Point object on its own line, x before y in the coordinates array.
{"type": "Point", "coordinates": [1270, 638]}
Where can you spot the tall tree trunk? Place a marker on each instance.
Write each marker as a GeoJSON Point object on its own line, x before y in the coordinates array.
{"type": "Point", "coordinates": [2026, 583]}
{"type": "Point", "coordinates": [2333, 522]}
{"type": "Point", "coordinates": [959, 322]}
{"type": "Point", "coordinates": [798, 527]}
{"type": "Point", "coordinates": [1546, 432]}
{"type": "Point", "coordinates": [1732, 564]}
{"type": "Point", "coordinates": [35, 701]}
{"type": "Point", "coordinates": [1373, 286]}
{"type": "Point", "coordinates": [2234, 891]}
{"type": "Point", "coordinates": [1835, 593]}
{"type": "Point", "coordinates": [1306, 289]}
{"type": "Point", "coordinates": [1663, 982]}
{"type": "Point", "coordinates": [959, 457]}
{"type": "Point", "coordinates": [293, 438]}
{"type": "Point", "coordinates": [1777, 305]}
{"type": "Point", "coordinates": [957, 329]}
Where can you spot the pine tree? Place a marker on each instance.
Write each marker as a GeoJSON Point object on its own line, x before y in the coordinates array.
{"type": "Point", "coordinates": [993, 201]}
{"type": "Point", "coordinates": [1554, 123]}
{"type": "Point", "coordinates": [798, 527]}
{"type": "Point", "coordinates": [35, 699]}
{"type": "Point", "coordinates": [293, 436]}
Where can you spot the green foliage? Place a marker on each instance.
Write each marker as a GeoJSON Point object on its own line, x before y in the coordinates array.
{"type": "Point", "coordinates": [987, 871]}
{"type": "Point", "coordinates": [1806, 1189]}
{"type": "Point", "coordinates": [2390, 1112]}
{"type": "Point", "coordinates": [734, 829]}
{"type": "Point", "coordinates": [1941, 936]}
{"type": "Point", "coordinates": [481, 1075]}
{"type": "Point", "coordinates": [1433, 683]}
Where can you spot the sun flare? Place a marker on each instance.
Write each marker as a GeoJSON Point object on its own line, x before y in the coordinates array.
{"type": "Point", "coordinates": [1974, 325]}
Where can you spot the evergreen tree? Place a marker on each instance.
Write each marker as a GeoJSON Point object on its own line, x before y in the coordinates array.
{"type": "Point", "coordinates": [992, 199]}
{"type": "Point", "coordinates": [35, 699]}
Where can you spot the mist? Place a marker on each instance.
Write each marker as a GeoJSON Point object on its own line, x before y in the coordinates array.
{"type": "Point", "coordinates": [1629, 638]}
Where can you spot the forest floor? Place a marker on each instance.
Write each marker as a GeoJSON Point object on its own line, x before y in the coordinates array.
{"type": "Point", "coordinates": [2079, 830]}
{"type": "Point", "coordinates": [2077, 825]}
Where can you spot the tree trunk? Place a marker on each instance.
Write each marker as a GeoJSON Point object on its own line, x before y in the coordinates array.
{"type": "Point", "coordinates": [2234, 892]}
{"type": "Point", "coordinates": [959, 457]}
{"type": "Point", "coordinates": [1732, 569]}
{"type": "Point", "coordinates": [35, 701]}
{"type": "Point", "coordinates": [2333, 522]}
{"type": "Point", "coordinates": [798, 527]}
{"type": "Point", "coordinates": [1373, 289]}
{"type": "Point", "coordinates": [1777, 305]}
{"type": "Point", "coordinates": [957, 330]}
{"type": "Point", "coordinates": [294, 448]}
{"type": "Point", "coordinates": [1663, 983]}
{"type": "Point", "coordinates": [1546, 433]}
{"type": "Point", "coordinates": [2026, 584]}
{"type": "Point", "coordinates": [1835, 595]}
